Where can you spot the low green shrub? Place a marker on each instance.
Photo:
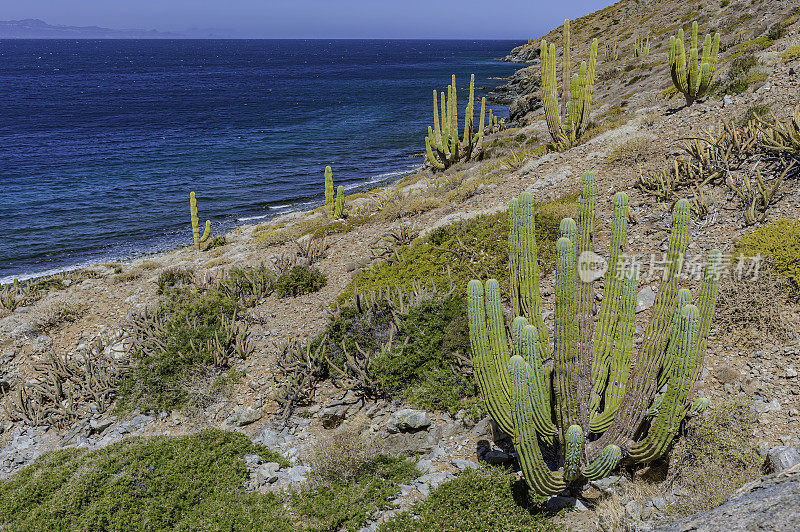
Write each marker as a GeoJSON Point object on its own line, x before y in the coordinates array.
{"type": "Point", "coordinates": [188, 483]}
{"type": "Point", "coordinates": [477, 500]}
{"type": "Point", "coordinates": [347, 504]}
{"type": "Point", "coordinates": [752, 113]}
{"type": "Point", "coordinates": [476, 248]}
{"type": "Point", "coordinates": [779, 243]}
{"type": "Point", "coordinates": [178, 344]}
{"type": "Point", "coordinates": [173, 277]}
{"type": "Point", "coordinates": [300, 280]}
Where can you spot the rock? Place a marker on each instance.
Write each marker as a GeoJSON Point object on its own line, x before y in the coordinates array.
{"type": "Point", "coordinates": [645, 299]}
{"type": "Point", "coordinates": [245, 416]}
{"type": "Point", "coordinates": [42, 344]}
{"type": "Point", "coordinates": [408, 420]}
{"type": "Point", "coordinates": [463, 465]}
{"type": "Point", "coordinates": [332, 417]}
{"type": "Point", "coordinates": [521, 106]}
{"type": "Point", "coordinates": [482, 429]}
{"type": "Point", "coordinates": [409, 443]}
{"type": "Point", "coordinates": [497, 457]}
{"type": "Point", "coordinates": [763, 407]}
{"type": "Point", "coordinates": [424, 466]}
{"type": "Point", "coordinates": [267, 473]}
{"type": "Point", "coordinates": [659, 503]}
{"type": "Point", "coordinates": [559, 502]}
{"type": "Point", "coordinates": [769, 503]}
{"type": "Point", "coordinates": [551, 180]}
{"type": "Point", "coordinates": [434, 480]}
{"type": "Point", "coordinates": [633, 510]}
{"type": "Point", "coordinates": [295, 474]}
{"type": "Point", "coordinates": [99, 425]}
{"type": "Point", "coordinates": [607, 485]}
{"type": "Point", "coordinates": [782, 458]}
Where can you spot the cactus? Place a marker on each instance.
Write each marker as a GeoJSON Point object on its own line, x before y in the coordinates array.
{"type": "Point", "coordinates": [330, 206]}
{"type": "Point", "coordinates": [693, 79]}
{"type": "Point", "coordinates": [334, 204]}
{"type": "Point", "coordinates": [201, 242]}
{"type": "Point", "coordinates": [339, 208]}
{"type": "Point", "coordinates": [641, 46]}
{"type": "Point", "coordinates": [610, 52]}
{"type": "Point", "coordinates": [443, 147]}
{"type": "Point", "coordinates": [589, 391]}
{"type": "Point", "coordinates": [567, 126]}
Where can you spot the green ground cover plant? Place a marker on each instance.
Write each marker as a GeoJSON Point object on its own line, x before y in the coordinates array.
{"type": "Point", "coordinates": [779, 243]}
{"type": "Point", "coordinates": [300, 280]}
{"type": "Point", "coordinates": [477, 500]}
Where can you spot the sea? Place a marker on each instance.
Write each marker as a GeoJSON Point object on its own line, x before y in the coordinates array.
{"type": "Point", "coordinates": [101, 141]}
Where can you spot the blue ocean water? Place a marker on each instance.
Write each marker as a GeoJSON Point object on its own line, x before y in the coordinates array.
{"type": "Point", "coordinates": [101, 141]}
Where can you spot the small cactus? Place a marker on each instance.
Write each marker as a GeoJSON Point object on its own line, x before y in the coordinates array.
{"type": "Point", "coordinates": [577, 92]}
{"type": "Point", "coordinates": [589, 393]}
{"type": "Point", "coordinates": [201, 242]}
{"type": "Point", "coordinates": [641, 46]}
{"type": "Point", "coordinates": [339, 208]}
{"type": "Point", "coordinates": [694, 78]}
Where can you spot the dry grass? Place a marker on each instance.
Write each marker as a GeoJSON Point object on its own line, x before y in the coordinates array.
{"type": "Point", "coordinates": [632, 152]}
{"type": "Point", "coordinates": [129, 275]}
{"type": "Point", "coordinates": [716, 456]}
{"type": "Point", "coordinates": [59, 313]}
{"type": "Point", "coordinates": [611, 513]}
{"type": "Point", "coordinates": [750, 310]}
{"type": "Point", "coordinates": [340, 454]}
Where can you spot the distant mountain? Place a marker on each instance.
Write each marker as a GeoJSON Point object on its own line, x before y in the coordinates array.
{"type": "Point", "coordinates": [38, 29]}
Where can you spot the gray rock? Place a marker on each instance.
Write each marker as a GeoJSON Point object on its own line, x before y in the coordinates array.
{"type": "Point", "coordinates": [409, 443]}
{"type": "Point", "coordinates": [559, 503]}
{"type": "Point", "coordinates": [99, 425]}
{"type": "Point", "coordinates": [463, 465]}
{"type": "Point", "coordinates": [607, 485]}
{"type": "Point", "coordinates": [782, 458]}
{"type": "Point", "coordinates": [659, 503]}
{"type": "Point", "coordinates": [482, 429]}
{"type": "Point", "coordinates": [245, 416]}
{"type": "Point", "coordinates": [497, 457]}
{"type": "Point", "coordinates": [769, 503]}
{"type": "Point", "coordinates": [332, 417]}
{"type": "Point", "coordinates": [434, 480]}
{"type": "Point", "coordinates": [645, 299]}
{"type": "Point", "coordinates": [633, 510]}
{"type": "Point", "coordinates": [408, 420]}
{"type": "Point", "coordinates": [763, 407]}
{"type": "Point", "coordinates": [424, 466]}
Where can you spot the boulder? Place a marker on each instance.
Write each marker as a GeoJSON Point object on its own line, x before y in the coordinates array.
{"type": "Point", "coordinates": [408, 420]}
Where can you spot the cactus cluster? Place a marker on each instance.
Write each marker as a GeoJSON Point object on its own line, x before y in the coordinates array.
{"type": "Point", "coordinates": [641, 46]}
{"type": "Point", "coordinates": [589, 394]}
{"type": "Point", "coordinates": [443, 145]}
{"type": "Point", "coordinates": [693, 78]}
{"type": "Point", "coordinates": [201, 242]}
{"type": "Point", "coordinates": [577, 91]}
{"type": "Point", "coordinates": [610, 52]}
{"type": "Point", "coordinates": [334, 206]}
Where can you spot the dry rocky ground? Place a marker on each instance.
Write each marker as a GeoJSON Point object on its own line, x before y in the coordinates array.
{"type": "Point", "coordinates": [761, 370]}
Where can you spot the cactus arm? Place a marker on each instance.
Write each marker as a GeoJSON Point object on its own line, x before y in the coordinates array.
{"type": "Point", "coordinates": [650, 357]}
{"type": "Point", "coordinates": [683, 299]}
{"type": "Point", "coordinates": [604, 463]}
{"type": "Point", "coordinates": [490, 354]}
{"type": "Point", "coordinates": [468, 118]}
{"type": "Point", "coordinates": [339, 208]}
{"type": "Point", "coordinates": [537, 475]}
{"type": "Point", "coordinates": [565, 354]}
{"type": "Point", "coordinates": [329, 197]}
{"type": "Point", "coordinates": [524, 283]}
{"type": "Point", "coordinates": [573, 452]}
{"type": "Point", "coordinates": [665, 425]}
{"type": "Point", "coordinates": [706, 305]}
{"type": "Point", "coordinates": [549, 92]}
{"type": "Point", "coordinates": [566, 73]}
{"type": "Point", "coordinates": [479, 135]}
{"type": "Point", "coordinates": [431, 158]}
{"type": "Point", "coordinates": [445, 125]}
{"type": "Point", "coordinates": [584, 311]}
{"type": "Point", "coordinates": [619, 364]}
{"type": "Point", "coordinates": [609, 308]}
{"type": "Point", "coordinates": [437, 130]}
{"type": "Point", "coordinates": [526, 341]}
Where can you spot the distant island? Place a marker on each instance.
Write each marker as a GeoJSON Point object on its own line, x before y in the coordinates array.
{"type": "Point", "coordinates": [38, 29]}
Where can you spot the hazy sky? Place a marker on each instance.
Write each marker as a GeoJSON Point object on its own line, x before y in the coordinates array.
{"type": "Point", "coordinates": [509, 19]}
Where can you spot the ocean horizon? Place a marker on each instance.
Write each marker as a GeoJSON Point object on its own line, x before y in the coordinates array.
{"type": "Point", "coordinates": [102, 140]}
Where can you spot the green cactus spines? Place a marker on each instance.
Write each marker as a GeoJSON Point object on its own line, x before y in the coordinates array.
{"type": "Point", "coordinates": [598, 383]}
{"type": "Point", "coordinates": [490, 365]}
{"type": "Point", "coordinates": [604, 464]}
{"type": "Point", "coordinates": [567, 125]}
{"type": "Point", "coordinates": [339, 208]}
{"type": "Point", "coordinates": [694, 78]}
{"type": "Point", "coordinates": [329, 193]}
{"type": "Point", "coordinates": [443, 145]}
{"type": "Point", "coordinates": [573, 452]}
{"type": "Point", "coordinates": [201, 242]}
{"type": "Point", "coordinates": [526, 443]}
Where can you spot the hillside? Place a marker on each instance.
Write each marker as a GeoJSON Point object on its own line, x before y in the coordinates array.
{"type": "Point", "coordinates": [317, 377]}
{"type": "Point", "coordinates": [38, 29]}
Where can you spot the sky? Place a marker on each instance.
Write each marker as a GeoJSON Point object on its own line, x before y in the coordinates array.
{"type": "Point", "coordinates": [360, 19]}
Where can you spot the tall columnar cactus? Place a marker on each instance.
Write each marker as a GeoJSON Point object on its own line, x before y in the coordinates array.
{"type": "Point", "coordinates": [589, 392]}
{"type": "Point", "coordinates": [443, 146]}
{"type": "Point", "coordinates": [200, 241]}
{"type": "Point", "coordinates": [330, 206]}
{"type": "Point", "coordinates": [568, 125]}
{"type": "Point", "coordinates": [610, 52]}
{"type": "Point", "coordinates": [693, 79]}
